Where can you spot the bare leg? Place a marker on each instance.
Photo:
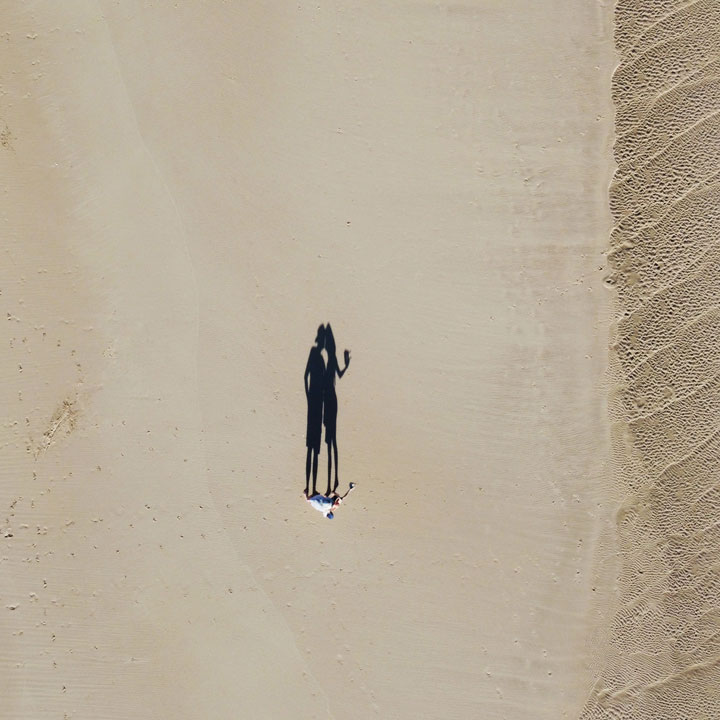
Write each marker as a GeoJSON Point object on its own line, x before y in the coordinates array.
{"type": "Point", "coordinates": [315, 465]}
{"type": "Point", "coordinates": [329, 469]}
{"type": "Point", "coordinates": [336, 462]}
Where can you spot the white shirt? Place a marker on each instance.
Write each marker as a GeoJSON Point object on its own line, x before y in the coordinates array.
{"type": "Point", "coordinates": [321, 503]}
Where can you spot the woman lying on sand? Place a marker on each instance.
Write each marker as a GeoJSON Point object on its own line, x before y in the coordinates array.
{"type": "Point", "coordinates": [327, 503]}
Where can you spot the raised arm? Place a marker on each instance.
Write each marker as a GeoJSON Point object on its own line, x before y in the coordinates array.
{"type": "Point", "coordinates": [347, 364]}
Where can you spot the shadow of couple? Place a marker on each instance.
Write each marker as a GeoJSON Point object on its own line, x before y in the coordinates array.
{"type": "Point", "coordinates": [322, 406]}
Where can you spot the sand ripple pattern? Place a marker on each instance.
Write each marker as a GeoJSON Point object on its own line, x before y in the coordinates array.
{"type": "Point", "coordinates": [665, 644]}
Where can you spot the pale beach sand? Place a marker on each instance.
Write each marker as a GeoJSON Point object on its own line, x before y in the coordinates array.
{"type": "Point", "coordinates": [191, 189]}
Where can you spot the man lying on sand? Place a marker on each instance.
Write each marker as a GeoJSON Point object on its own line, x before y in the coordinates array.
{"type": "Point", "coordinates": [327, 503]}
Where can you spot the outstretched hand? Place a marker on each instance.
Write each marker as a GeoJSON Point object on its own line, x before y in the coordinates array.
{"type": "Point", "coordinates": [347, 357]}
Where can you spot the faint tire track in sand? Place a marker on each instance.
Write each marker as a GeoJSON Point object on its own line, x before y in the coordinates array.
{"type": "Point", "coordinates": [664, 659]}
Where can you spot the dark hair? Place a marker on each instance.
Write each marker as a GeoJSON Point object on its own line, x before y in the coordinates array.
{"type": "Point", "coordinates": [320, 334]}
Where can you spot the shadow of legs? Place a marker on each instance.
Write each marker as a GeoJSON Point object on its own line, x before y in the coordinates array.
{"type": "Point", "coordinates": [314, 471]}
{"type": "Point", "coordinates": [307, 469]}
{"type": "Point", "coordinates": [336, 462]}
{"type": "Point", "coordinates": [329, 470]}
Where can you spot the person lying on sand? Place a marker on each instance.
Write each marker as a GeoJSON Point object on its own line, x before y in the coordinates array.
{"type": "Point", "coordinates": [326, 503]}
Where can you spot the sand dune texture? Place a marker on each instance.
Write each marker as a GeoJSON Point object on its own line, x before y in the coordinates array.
{"type": "Point", "coordinates": [665, 259]}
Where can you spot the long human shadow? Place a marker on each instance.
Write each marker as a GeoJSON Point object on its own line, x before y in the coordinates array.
{"type": "Point", "coordinates": [314, 380]}
{"type": "Point", "coordinates": [322, 406]}
{"type": "Point", "coordinates": [330, 403]}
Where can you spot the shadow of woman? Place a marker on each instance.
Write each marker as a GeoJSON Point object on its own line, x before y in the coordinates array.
{"type": "Point", "coordinates": [330, 403]}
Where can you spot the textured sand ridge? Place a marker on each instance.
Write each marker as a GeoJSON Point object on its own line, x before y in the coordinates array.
{"type": "Point", "coordinates": [665, 262]}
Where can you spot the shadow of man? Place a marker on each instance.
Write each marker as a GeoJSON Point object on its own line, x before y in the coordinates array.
{"type": "Point", "coordinates": [314, 386]}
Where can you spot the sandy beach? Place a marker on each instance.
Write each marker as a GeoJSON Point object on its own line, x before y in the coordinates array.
{"type": "Point", "coordinates": [191, 189]}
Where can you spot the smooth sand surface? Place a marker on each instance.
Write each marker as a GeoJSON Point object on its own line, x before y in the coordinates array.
{"type": "Point", "coordinates": [191, 189]}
